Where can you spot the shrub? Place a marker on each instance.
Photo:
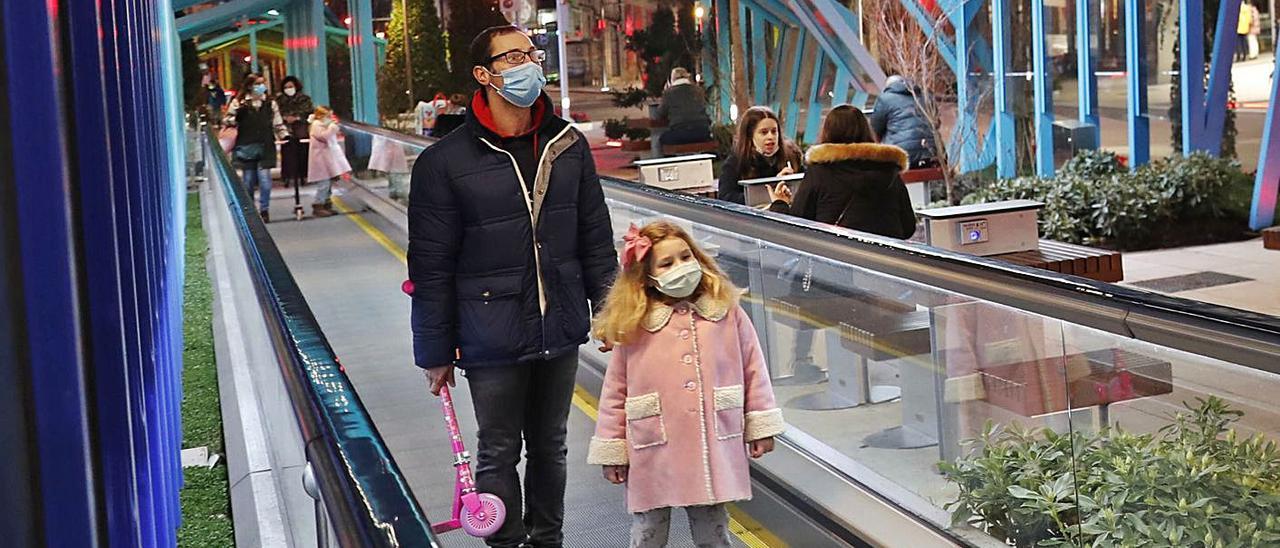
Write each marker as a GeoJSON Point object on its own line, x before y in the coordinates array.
{"type": "Point", "coordinates": [638, 133]}
{"type": "Point", "coordinates": [1095, 200]}
{"type": "Point", "coordinates": [1195, 483]}
{"type": "Point", "coordinates": [629, 98]}
{"type": "Point", "coordinates": [615, 129]}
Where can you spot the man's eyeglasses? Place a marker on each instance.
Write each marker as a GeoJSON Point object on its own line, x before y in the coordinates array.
{"type": "Point", "coordinates": [519, 57]}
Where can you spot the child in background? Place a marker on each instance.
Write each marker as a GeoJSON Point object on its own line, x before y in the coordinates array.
{"type": "Point", "coordinates": [687, 394]}
{"type": "Point", "coordinates": [326, 162]}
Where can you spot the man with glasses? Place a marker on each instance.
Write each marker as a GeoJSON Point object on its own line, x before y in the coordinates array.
{"type": "Point", "coordinates": [510, 247]}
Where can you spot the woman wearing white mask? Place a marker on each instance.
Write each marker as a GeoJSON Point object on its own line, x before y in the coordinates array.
{"type": "Point", "coordinates": [295, 107]}
{"type": "Point", "coordinates": [258, 124]}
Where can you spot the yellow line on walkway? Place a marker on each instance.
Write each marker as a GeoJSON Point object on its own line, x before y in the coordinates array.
{"type": "Point", "coordinates": [750, 531]}
{"type": "Point", "coordinates": [372, 231]}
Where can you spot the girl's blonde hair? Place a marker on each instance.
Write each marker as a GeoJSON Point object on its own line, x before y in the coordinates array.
{"type": "Point", "coordinates": [632, 294]}
{"type": "Point", "coordinates": [322, 111]}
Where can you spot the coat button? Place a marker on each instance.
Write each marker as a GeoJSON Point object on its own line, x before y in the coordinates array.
{"type": "Point", "coordinates": [486, 294]}
{"type": "Point", "coordinates": [684, 335]}
{"type": "Point", "coordinates": [687, 359]}
{"type": "Point", "coordinates": [690, 386]}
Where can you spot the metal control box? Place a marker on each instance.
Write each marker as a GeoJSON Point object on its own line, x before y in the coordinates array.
{"type": "Point", "coordinates": [993, 228]}
{"type": "Point", "coordinates": [677, 172]}
{"type": "Point", "coordinates": [757, 192]}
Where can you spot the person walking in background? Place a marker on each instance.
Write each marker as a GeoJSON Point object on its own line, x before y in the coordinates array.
{"type": "Point", "coordinates": [684, 107]}
{"type": "Point", "coordinates": [1255, 28]}
{"type": "Point", "coordinates": [759, 150]}
{"type": "Point", "coordinates": [672, 316]}
{"type": "Point", "coordinates": [510, 247]}
{"type": "Point", "coordinates": [327, 162]}
{"type": "Point", "coordinates": [1243, 25]}
{"type": "Point", "coordinates": [256, 118]}
{"type": "Point", "coordinates": [898, 121]}
{"type": "Point", "coordinates": [295, 108]}
{"type": "Point", "coordinates": [852, 181]}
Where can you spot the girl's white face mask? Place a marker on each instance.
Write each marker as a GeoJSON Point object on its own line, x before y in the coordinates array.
{"type": "Point", "coordinates": [679, 282]}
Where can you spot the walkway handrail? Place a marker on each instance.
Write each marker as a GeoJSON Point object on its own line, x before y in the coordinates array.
{"type": "Point", "coordinates": [1238, 336]}
{"type": "Point", "coordinates": [367, 498]}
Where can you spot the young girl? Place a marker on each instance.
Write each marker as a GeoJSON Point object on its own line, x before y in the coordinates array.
{"type": "Point", "coordinates": [327, 162]}
{"type": "Point", "coordinates": [687, 393]}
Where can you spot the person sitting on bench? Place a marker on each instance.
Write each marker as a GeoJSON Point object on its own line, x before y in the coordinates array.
{"type": "Point", "coordinates": [759, 150]}
{"type": "Point", "coordinates": [852, 181]}
{"type": "Point", "coordinates": [685, 109]}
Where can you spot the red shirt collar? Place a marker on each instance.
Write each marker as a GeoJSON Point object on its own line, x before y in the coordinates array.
{"type": "Point", "coordinates": [480, 106]}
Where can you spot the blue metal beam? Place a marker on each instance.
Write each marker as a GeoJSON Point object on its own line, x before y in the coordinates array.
{"type": "Point", "coordinates": [1191, 48]}
{"type": "Point", "coordinates": [814, 118]}
{"type": "Point", "coordinates": [1224, 46]}
{"type": "Point", "coordinates": [724, 50]}
{"type": "Point", "coordinates": [1006, 155]}
{"type": "Point", "coordinates": [184, 4]}
{"type": "Point", "coordinates": [1086, 77]}
{"type": "Point", "coordinates": [791, 107]}
{"type": "Point", "coordinates": [305, 48]}
{"type": "Point", "coordinates": [759, 55]}
{"type": "Point", "coordinates": [964, 137]}
{"type": "Point", "coordinates": [928, 24]}
{"type": "Point", "coordinates": [253, 51]}
{"type": "Point", "coordinates": [222, 15]}
{"type": "Point", "coordinates": [1136, 66]}
{"type": "Point", "coordinates": [1266, 184]}
{"type": "Point", "coordinates": [1043, 83]}
{"type": "Point", "coordinates": [229, 37]}
{"type": "Point", "coordinates": [823, 20]}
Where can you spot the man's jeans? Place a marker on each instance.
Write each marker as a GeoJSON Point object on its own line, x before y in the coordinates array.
{"type": "Point", "coordinates": [253, 178]}
{"type": "Point", "coordinates": [529, 401]}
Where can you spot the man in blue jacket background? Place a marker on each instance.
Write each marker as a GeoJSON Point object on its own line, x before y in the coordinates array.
{"type": "Point", "coordinates": [510, 248]}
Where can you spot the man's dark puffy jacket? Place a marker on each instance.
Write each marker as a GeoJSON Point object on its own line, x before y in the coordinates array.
{"type": "Point", "coordinates": [855, 185]}
{"type": "Point", "coordinates": [474, 259]}
{"type": "Point", "coordinates": [898, 122]}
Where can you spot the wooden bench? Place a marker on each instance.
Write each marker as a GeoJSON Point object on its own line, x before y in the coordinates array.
{"type": "Point", "coordinates": [1271, 238]}
{"type": "Point", "coordinates": [924, 175]}
{"type": "Point", "coordinates": [690, 148]}
{"type": "Point", "coordinates": [1097, 264]}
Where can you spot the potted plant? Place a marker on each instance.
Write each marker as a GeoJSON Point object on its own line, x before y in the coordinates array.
{"type": "Point", "coordinates": [615, 129]}
{"type": "Point", "coordinates": [637, 140]}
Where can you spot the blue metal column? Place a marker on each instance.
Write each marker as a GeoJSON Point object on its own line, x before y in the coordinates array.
{"type": "Point", "coordinates": [791, 107]}
{"type": "Point", "coordinates": [1004, 122]}
{"type": "Point", "coordinates": [965, 134]}
{"type": "Point", "coordinates": [1043, 83]}
{"type": "Point", "coordinates": [305, 51]}
{"type": "Point", "coordinates": [1136, 66]}
{"type": "Point", "coordinates": [1266, 184]}
{"type": "Point", "coordinates": [1204, 113]}
{"type": "Point", "coordinates": [1086, 77]}
{"type": "Point", "coordinates": [814, 121]}
{"type": "Point", "coordinates": [364, 81]}
{"type": "Point", "coordinates": [253, 51]}
{"type": "Point", "coordinates": [759, 53]}
{"type": "Point", "coordinates": [48, 267]}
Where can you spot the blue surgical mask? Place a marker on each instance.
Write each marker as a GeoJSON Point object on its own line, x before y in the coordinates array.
{"type": "Point", "coordinates": [260, 89]}
{"type": "Point", "coordinates": [522, 85]}
{"type": "Point", "coordinates": [679, 282]}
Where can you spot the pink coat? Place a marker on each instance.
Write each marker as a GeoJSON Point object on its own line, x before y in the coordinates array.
{"type": "Point", "coordinates": [679, 404]}
{"type": "Point", "coordinates": [326, 159]}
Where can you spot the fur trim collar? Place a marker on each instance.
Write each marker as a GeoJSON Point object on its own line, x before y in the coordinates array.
{"type": "Point", "coordinates": [838, 152]}
{"type": "Point", "coordinates": [707, 307]}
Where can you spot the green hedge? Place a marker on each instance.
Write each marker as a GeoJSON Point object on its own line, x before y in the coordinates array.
{"type": "Point", "coordinates": [1095, 200]}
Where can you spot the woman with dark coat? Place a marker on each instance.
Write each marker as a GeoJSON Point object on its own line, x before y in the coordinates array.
{"type": "Point", "coordinates": [295, 107]}
{"type": "Point", "coordinates": [852, 181]}
{"type": "Point", "coordinates": [759, 150]}
{"type": "Point", "coordinates": [256, 118]}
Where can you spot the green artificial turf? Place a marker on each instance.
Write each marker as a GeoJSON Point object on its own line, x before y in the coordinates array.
{"type": "Point", "coordinates": [205, 497]}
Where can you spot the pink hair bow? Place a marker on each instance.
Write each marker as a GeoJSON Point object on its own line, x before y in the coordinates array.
{"type": "Point", "coordinates": [637, 246]}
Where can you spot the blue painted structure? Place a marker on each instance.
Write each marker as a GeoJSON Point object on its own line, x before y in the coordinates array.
{"type": "Point", "coordinates": [1042, 83]}
{"type": "Point", "coordinates": [1139, 123]}
{"type": "Point", "coordinates": [92, 239]}
{"type": "Point", "coordinates": [1266, 186]}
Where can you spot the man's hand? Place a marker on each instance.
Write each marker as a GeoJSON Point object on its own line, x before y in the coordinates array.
{"type": "Point", "coordinates": [438, 376]}
{"type": "Point", "coordinates": [760, 447]}
{"type": "Point", "coordinates": [616, 474]}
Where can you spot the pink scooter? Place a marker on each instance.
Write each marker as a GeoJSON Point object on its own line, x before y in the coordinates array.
{"type": "Point", "coordinates": [479, 514]}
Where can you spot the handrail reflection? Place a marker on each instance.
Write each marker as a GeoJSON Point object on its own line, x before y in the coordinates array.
{"type": "Point", "coordinates": [368, 499]}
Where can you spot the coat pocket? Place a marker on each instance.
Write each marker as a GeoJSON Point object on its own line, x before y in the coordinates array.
{"type": "Point", "coordinates": [644, 421]}
{"type": "Point", "coordinates": [729, 412]}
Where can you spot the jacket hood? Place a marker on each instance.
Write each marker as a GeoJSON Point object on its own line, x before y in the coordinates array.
{"type": "Point", "coordinates": [899, 86]}
{"type": "Point", "coordinates": [830, 153]}
{"type": "Point", "coordinates": [480, 117]}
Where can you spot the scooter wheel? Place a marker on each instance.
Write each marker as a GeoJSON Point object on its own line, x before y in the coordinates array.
{"type": "Point", "coordinates": [487, 519]}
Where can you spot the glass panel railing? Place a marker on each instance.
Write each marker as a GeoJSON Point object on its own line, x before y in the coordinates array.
{"type": "Point", "coordinates": [997, 403]}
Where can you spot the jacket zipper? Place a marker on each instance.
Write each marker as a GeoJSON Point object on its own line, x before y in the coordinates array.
{"type": "Point", "coordinates": [537, 246]}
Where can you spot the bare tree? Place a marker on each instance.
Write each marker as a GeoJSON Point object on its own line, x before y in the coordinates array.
{"type": "Point", "coordinates": [907, 50]}
{"type": "Point", "coordinates": [736, 36]}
